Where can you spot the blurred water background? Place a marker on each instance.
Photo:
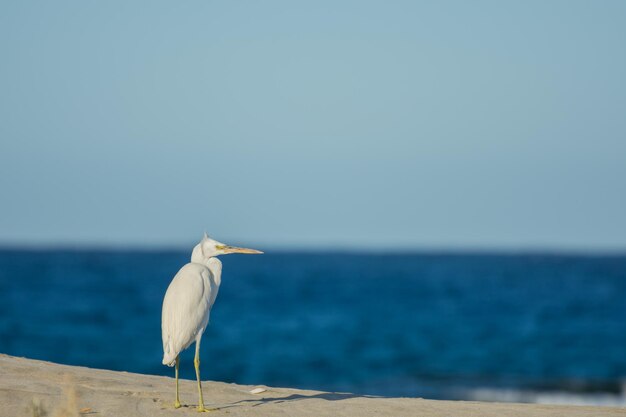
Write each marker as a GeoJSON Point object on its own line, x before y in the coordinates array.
{"type": "Point", "coordinates": [520, 327]}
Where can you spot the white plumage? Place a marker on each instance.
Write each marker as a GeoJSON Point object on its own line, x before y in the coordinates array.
{"type": "Point", "coordinates": [188, 302]}
{"type": "Point", "coordinates": [187, 306]}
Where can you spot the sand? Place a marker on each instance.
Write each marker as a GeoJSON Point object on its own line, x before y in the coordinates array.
{"type": "Point", "coordinates": [36, 388]}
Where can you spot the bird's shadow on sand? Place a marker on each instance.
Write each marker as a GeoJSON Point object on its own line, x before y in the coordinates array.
{"type": "Point", "coordinates": [328, 396]}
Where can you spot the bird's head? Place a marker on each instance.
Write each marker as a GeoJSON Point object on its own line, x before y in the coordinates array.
{"type": "Point", "coordinates": [208, 248]}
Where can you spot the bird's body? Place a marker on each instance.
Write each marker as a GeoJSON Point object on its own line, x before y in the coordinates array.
{"type": "Point", "coordinates": [188, 301]}
{"type": "Point", "coordinates": [187, 306]}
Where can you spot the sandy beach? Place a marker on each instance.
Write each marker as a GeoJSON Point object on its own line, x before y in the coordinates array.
{"type": "Point", "coordinates": [36, 388]}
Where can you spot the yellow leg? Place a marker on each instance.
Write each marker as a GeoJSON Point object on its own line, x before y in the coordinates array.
{"type": "Point", "coordinates": [177, 402]}
{"type": "Point", "coordinates": [196, 363]}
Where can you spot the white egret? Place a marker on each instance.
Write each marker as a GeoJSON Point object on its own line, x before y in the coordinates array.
{"type": "Point", "coordinates": [188, 301]}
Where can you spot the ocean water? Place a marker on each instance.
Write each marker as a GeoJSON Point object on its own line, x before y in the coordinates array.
{"type": "Point", "coordinates": [544, 328]}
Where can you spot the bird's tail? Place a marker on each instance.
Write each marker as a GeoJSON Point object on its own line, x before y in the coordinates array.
{"type": "Point", "coordinates": [169, 359]}
{"type": "Point", "coordinates": [169, 356]}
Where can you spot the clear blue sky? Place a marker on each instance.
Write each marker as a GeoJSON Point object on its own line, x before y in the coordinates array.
{"type": "Point", "coordinates": [488, 124]}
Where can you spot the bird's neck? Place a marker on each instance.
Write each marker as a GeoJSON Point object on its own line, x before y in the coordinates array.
{"type": "Point", "coordinates": [197, 257]}
{"type": "Point", "coordinates": [215, 266]}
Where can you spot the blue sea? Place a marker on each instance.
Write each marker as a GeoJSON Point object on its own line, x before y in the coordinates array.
{"type": "Point", "coordinates": [520, 327]}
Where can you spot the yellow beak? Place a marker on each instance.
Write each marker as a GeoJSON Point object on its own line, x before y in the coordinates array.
{"type": "Point", "coordinates": [235, 249]}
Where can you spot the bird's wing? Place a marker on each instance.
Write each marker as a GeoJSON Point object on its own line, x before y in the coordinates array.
{"type": "Point", "coordinates": [186, 309]}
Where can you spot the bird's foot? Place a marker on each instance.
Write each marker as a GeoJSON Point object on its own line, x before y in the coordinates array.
{"type": "Point", "coordinates": [176, 404]}
{"type": "Point", "coordinates": [202, 409]}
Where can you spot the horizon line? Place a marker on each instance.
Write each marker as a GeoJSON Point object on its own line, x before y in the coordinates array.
{"type": "Point", "coordinates": [503, 249]}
